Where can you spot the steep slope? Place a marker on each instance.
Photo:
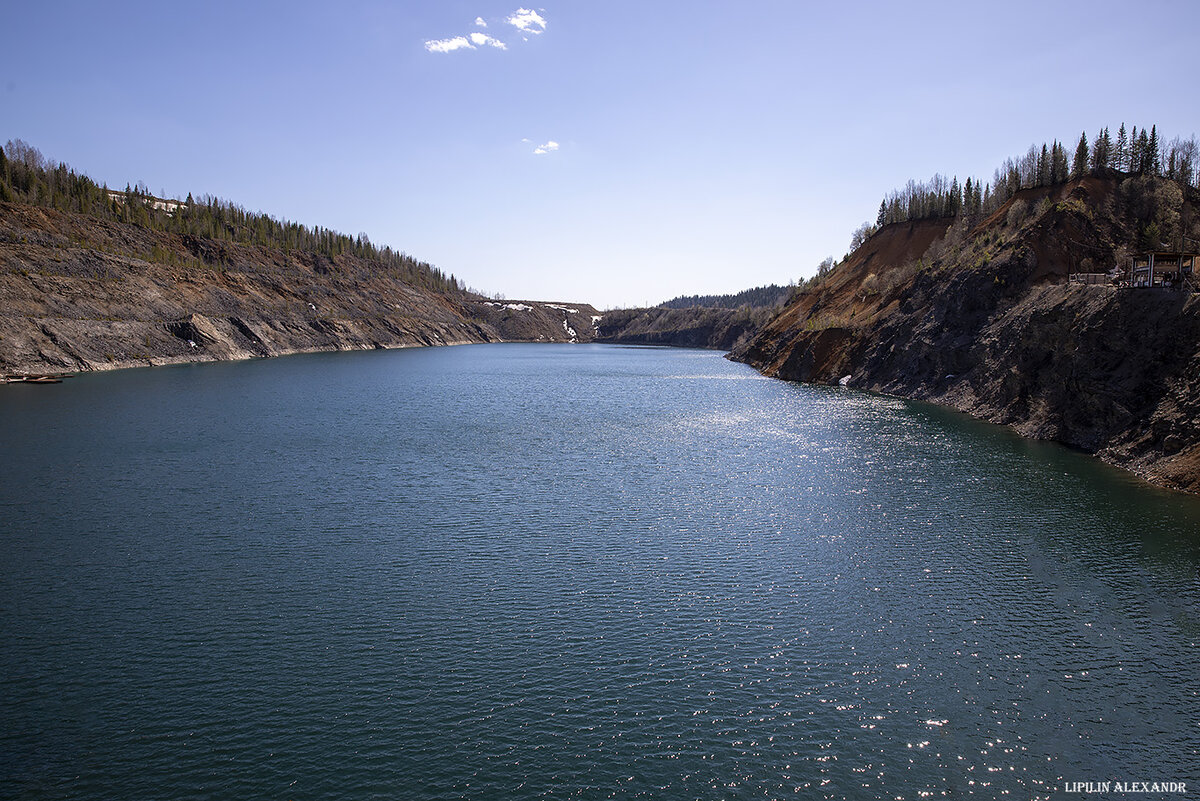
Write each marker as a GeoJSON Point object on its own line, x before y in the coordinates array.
{"type": "Point", "coordinates": [79, 293]}
{"type": "Point", "coordinates": [982, 319]}
{"type": "Point", "coordinates": [693, 327]}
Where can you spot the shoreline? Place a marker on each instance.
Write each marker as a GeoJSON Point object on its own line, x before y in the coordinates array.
{"type": "Point", "coordinates": [19, 377]}
{"type": "Point", "coordinates": [1103, 455]}
{"type": "Point", "coordinates": [1142, 472]}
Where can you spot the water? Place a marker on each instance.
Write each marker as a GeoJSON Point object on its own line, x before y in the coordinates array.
{"type": "Point", "coordinates": [573, 572]}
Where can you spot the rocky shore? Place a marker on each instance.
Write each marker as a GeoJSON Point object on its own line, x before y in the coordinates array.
{"type": "Point", "coordinates": [80, 294]}
{"type": "Point", "coordinates": [985, 321]}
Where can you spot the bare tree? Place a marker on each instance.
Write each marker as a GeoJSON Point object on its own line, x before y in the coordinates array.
{"type": "Point", "coordinates": [21, 151]}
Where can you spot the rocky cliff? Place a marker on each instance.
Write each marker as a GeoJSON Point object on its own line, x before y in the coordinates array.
{"type": "Point", "coordinates": [694, 327]}
{"type": "Point", "coordinates": [79, 293]}
{"type": "Point", "coordinates": [979, 316]}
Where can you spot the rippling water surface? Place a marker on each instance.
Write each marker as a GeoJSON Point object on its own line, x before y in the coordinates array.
{"type": "Point", "coordinates": [572, 571]}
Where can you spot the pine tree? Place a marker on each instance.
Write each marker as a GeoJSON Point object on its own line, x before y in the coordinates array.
{"type": "Point", "coordinates": [1122, 154]}
{"type": "Point", "coordinates": [1043, 167]}
{"type": "Point", "coordinates": [975, 203]}
{"type": "Point", "coordinates": [1153, 157]}
{"type": "Point", "coordinates": [6, 194]}
{"type": "Point", "coordinates": [1080, 165]}
{"type": "Point", "coordinates": [1059, 168]}
{"type": "Point", "coordinates": [1102, 152]}
{"type": "Point", "coordinates": [882, 219]}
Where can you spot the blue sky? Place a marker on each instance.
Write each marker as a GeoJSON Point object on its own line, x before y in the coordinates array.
{"type": "Point", "coordinates": [702, 147]}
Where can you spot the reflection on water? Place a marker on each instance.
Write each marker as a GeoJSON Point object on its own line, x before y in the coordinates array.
{"type": "Point", "coordinates": [523, 571]}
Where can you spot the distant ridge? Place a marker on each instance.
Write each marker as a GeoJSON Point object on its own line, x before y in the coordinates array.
{"type": "Point", "coordinates": [759, 297]}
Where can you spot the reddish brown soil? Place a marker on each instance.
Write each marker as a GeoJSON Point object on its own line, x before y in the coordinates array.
{"type": "Point", "coordinates": [985, 321]}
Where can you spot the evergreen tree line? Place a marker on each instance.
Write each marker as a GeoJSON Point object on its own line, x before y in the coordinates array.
{"type": "Point", "coordinates": [758, 297]}
{"type": "Point", "coordinates": [1134, 152]}
{"type": "Point", "coordinates": [27, 177]}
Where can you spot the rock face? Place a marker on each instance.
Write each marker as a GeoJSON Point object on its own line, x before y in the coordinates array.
{"type": "Point", "coordinates": [81, 294]}
{"type": "Point", "coordinates": [983, 320]}
{"type": "Point", "coordinates": [696, 327]}
{"type": "Point", "coordinates": [535, 321]}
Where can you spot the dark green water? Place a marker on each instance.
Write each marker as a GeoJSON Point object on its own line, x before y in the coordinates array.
{"type": "Point", "coordinates": [572, 571]}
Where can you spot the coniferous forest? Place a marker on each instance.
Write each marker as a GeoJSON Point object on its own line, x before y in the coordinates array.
{"type": "Point", "coordinates": [757, 297]}
{"type": "Point", "coordinates": [26, 176]}
{"type": "Point", "coordinates": [1133, 151]}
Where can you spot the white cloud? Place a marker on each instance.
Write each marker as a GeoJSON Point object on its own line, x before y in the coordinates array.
{"type": "Point", "coordinates": [542, 150]}
{"type": "Point", "coordinates": [527, 21]}
{"type": "Point", "coordinates": [447, 45]}
{"type": "Point", "coordinates": [482, 39]}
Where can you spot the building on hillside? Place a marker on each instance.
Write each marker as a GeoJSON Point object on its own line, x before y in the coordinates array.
{"type": "Point", "coordinates": [1171, 270]}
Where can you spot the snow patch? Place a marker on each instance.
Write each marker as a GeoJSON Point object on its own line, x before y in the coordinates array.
{"type": "Point", "coordinates": [513, 306]}
{"type": "Point", "coordinates": [561, 308]}
{"type": "Point", "coordinates": [169, 206]}
{"type": "Point", "coordinates": [570, 331]}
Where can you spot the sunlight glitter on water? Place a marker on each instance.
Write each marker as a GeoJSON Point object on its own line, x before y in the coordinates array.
{"type": "Point", "coordinates": [583, 572]}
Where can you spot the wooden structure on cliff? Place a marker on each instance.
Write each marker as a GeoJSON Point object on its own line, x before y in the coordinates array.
{"type": "Point", "coordinates": [1160, 268]}
{"type": "Point", "coordinates": [1172, 270]}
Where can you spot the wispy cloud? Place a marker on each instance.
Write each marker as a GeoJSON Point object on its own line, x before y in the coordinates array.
{"type": "Point", "coordinates": [542, 150]}
{"type": "Point", "coordinates": [448, 45]}
{"type": "Point", "coordinates": [482, 39]}
{"type": "Point", "coordinates": [526, 20]}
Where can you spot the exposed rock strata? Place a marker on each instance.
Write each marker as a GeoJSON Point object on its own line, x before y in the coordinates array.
{"type": "Point", "coordinates": [696, 327]}
{"type": "Point", "coordinates": [985, 322]}
{"type": "Point", "coordinates": [80, 294]}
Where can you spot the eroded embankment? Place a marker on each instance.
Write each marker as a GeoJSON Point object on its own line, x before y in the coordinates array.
{"type": "Point", "coordinates": [78, 294]}
{"type": "Point", "coordinates": [1115, 373]}
{"type": "Point", "coordinates": [984, 321]}
{"type": "Point", "coordinates": [696, 327]}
